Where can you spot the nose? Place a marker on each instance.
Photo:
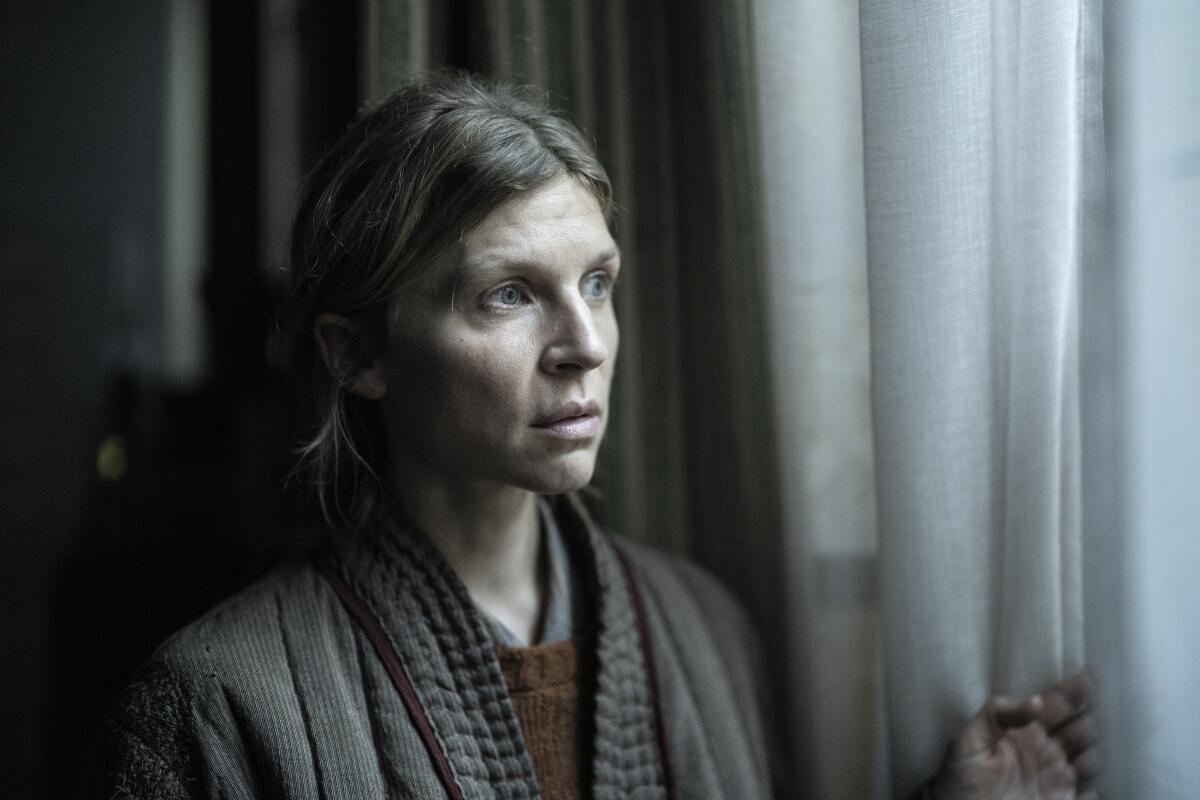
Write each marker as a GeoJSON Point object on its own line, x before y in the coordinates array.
{"type": "Point", "coordinates": [576, 343]}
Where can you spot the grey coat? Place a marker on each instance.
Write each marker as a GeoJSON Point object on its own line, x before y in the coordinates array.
{"type": "Point", "coordinates": [278, 693]}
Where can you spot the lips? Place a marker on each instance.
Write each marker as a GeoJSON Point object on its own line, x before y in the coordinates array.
{"type": "Point", "coordinates": [574, 420]}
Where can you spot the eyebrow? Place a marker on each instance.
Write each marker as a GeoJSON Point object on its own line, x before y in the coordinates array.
{"type": "Point", "coordinates": [487, 264]}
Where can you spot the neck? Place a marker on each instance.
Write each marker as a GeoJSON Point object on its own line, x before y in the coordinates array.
{"type": "Point", "coordinates": [491, 536]}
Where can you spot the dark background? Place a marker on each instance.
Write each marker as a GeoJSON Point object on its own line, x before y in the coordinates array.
{"type": "Point", "coordinates": [96, 571]}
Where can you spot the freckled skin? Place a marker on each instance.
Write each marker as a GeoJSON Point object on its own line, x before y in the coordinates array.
{"type": "Point", "coordinates": [530, 328]}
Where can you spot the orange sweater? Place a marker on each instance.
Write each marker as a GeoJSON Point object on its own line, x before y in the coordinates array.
{"type": "Point", "coordinates": [547, 686]}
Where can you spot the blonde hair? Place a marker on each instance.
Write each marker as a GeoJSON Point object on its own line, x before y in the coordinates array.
{"type": "Point", "coordinates": [408, 178]}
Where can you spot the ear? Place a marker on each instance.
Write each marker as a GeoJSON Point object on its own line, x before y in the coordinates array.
{"type": "Point", "coordinates": [345, 348]}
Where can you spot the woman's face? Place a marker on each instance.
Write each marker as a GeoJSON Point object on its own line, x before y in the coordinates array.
{"type": "Point", "coordinates": [498, 362]}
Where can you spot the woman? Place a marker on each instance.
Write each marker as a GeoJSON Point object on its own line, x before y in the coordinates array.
{"type": "Point", "coordinates": [468, 631]}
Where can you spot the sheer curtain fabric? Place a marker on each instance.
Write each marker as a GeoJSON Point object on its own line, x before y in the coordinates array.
{"type": "Point", "coordinates": [980, 122]}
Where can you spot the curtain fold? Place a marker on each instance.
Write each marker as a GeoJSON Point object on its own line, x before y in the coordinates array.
{"type": "Point", "coordinates": [814, 218]}
{"type": "Point", "coordinates": [978, 118]}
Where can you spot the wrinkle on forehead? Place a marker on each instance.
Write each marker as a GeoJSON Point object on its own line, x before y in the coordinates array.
{"type": "Point", "coordinates": [556, 215]}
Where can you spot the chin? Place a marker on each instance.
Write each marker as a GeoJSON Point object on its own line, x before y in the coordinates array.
{"type": "Point", "coordinates": [568, 475]}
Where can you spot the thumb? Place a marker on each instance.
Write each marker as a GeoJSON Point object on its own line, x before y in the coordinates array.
{"type": "Point", "coordinates": [1007, 713]}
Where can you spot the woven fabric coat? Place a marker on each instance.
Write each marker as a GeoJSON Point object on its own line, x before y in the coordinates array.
{"type": "Point", "coordinates": [277, 693]}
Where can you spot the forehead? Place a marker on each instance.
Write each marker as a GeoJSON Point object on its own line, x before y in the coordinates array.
{"type": "Point", "coordinates": [560, 220]}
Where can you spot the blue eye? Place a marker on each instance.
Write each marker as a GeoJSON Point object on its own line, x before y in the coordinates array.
{"type": "Point", "coordinates": [596, 286]}
{"type": "Point", "coordinates": [509, 295]}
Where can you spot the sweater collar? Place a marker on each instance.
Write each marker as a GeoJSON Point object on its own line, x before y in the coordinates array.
{"type": "Point", "coordinates": [447, 651]}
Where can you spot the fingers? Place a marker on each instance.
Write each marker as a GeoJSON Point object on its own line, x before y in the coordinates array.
{"type": "Point", "coordinates": [1059, 770]}
{"type": "Point", "coordinates": [1007, 713]}
{"type": "Point", "coordinates": [1086, 766]}
{"type": "Point", "coordinates": [1056, 707]}
{"type": "Point", "coordinates": [1077, 735]}
{"type": "Point", "coordinates": [1065, 701]}
{"type": "Point", "coordinates": [1066, 715]}
{"type": "Point", "coordinates": [1063, 742]}
{"type": "Point", "coordinates": [985, 728]}
{"type": "Point", "coordinates": [1042, 759]}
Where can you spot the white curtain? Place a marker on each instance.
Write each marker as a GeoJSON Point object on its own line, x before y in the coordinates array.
{"type": "Point", "coordinates": [1146, 336]}
{"type": "Point", "coordinates": [977, 123]}
{"type": "Point", "coordinates": [807, 61]}
{"type": "Point", "coordinates": [958, 141]}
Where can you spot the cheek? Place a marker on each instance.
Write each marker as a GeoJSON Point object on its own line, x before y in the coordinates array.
{"type": "Point", "coordinates": [473, 373]}
{"type": "Point", "coordinates": [615, 337]}
{"type": "Point", "coordinates": [611, 334]}
{"type": "Point", "coordinates": [484, 380]}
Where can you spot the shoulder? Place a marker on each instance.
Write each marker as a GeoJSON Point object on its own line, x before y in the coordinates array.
{"type": "Point", "coordinates": [679, 592]}
{"type": "Point", "coordinates": [679, 584]}
{"type": "Point", "coordinates": [694, 616]}
{"type": "Point", "coordinates": [189, 691]}
{"type": "Point", "coordinates": [705, 646]}
{"type": "Point", "coordinates": [246, 630]}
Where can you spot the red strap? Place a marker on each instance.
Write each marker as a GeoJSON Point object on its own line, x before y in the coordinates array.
{"type": "Point", "coordinates": [639, 613]}
{"type": "Point", "coordinates": [391, 662]}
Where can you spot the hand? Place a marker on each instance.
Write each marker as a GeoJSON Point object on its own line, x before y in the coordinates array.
{"type": "Point", "coordinates": [1039, 749]}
